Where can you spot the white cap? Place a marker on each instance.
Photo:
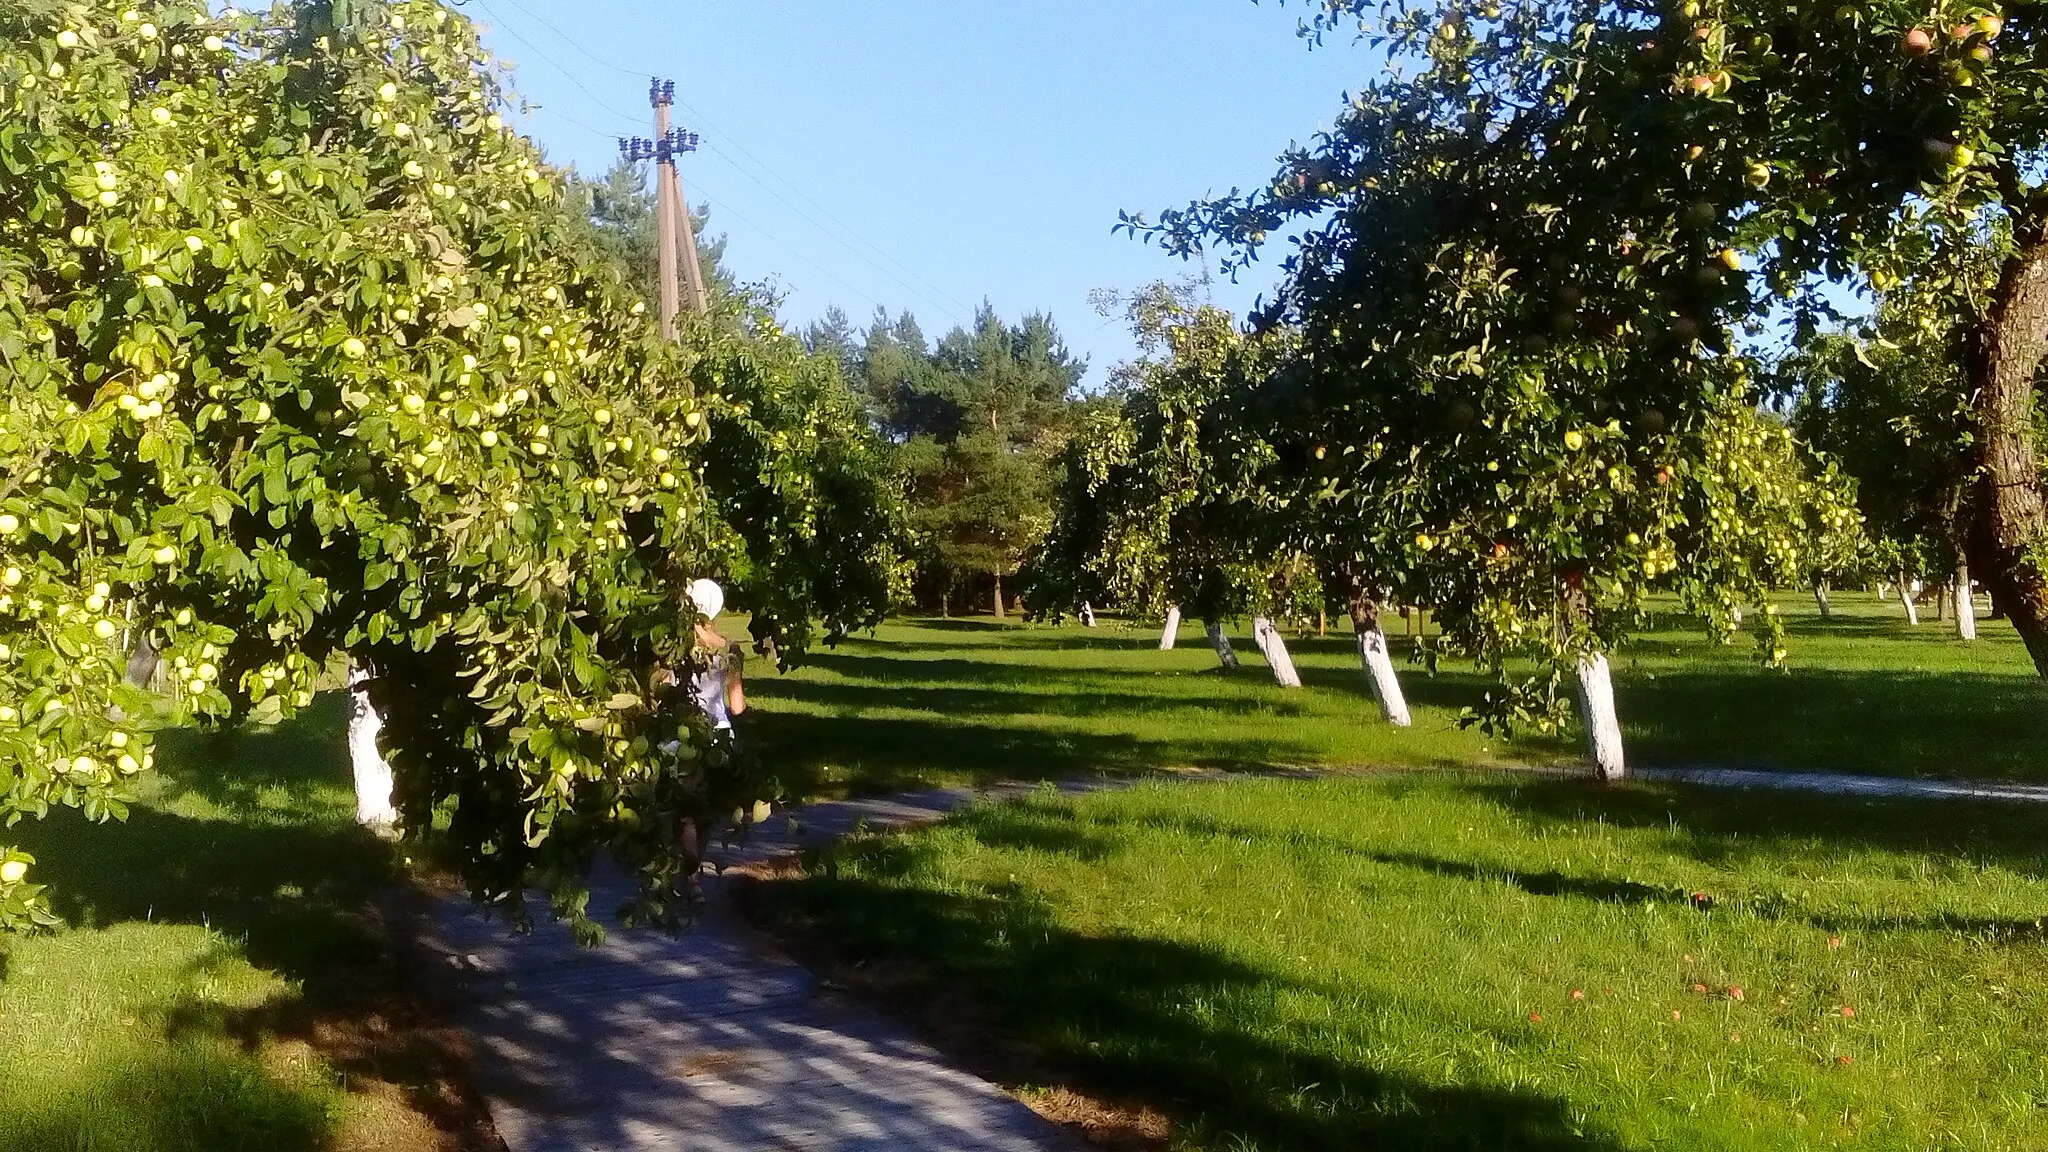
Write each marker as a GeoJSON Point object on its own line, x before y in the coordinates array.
{"type": "Point", "coordinates": [708, 597]}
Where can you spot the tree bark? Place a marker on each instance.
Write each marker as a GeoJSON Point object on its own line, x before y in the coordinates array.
{"type": "Point", "coordinates": [1966, 603]}
{"type": "Point", "coordinates": [2011, 509]}
{"type": "Point", "coordinates": [1378, 664]}
{"type": "Point", "coordinates": [1171, 631]}
{"type": "Point", "coordinates": [1274, 647]}
{"type": "Point", "coordinates": [1820, 597]}
{"type": "Point", "coordinates": [1596, 712]}
{"type": "Point", "coordinates": [999, 595]}
{"type": "Point", "coordinates": [1906, 598]}
{"type": "Point", "coordinates": [142, 662]}
{"type": "Point", "coordinates": [1221, 643]}
{"type": "Point", "coordinates": [372, 771]}
{"type": "Point", "coordinates": [1087, 615]}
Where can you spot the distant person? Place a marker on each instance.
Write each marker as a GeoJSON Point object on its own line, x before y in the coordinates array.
{"type": "Point", "coordinates": [718, 686]}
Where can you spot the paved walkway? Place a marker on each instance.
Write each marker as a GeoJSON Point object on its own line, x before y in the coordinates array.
{"type": "Point", "coordinates": [700, 1042]}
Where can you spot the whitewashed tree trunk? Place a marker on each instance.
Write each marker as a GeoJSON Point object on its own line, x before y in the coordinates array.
{"type": "Point", "coordinates": [1379, 672]}
{"type": "Point", "coordinates": [1224, 652]}
{"type": "Point", "coordinates": [1275, 650]}
{"type": "Point", "coordinates": [1906, 598]}
{"type": "Point", "coordinates": [1966, 603]}
{"type": "Point", "coordinates": [373, 772]}
{"type": "Point", "coordinates": [1171, 632]}
{"type": "Point", "coordinates": [1596, 711]}
{"type": "Point", "coordinates": [1087, 615]}
{"type": "Point", "coordinates": [1820, 597]}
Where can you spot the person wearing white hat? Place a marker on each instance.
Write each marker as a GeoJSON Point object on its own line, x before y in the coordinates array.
{"type": "Point", "coordinates": [718, 686]}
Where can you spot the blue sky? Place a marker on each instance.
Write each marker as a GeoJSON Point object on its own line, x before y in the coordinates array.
{"type": "Point", "coordinates": [929, 154]}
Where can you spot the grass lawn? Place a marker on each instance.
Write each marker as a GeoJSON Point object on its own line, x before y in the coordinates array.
{"type": "Point", "coordinates": [945, 700]}
{"type": "Point", "coordinates": [232, 976]}
{"type": "Point", "coordinates": [1466, 961]}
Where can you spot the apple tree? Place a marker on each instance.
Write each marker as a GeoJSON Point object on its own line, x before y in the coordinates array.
{"type": "Point", "coordinates": [1157, 513]}
{"type": "Point", "coordinates": [305, 354]}
{"type": "Point", "coordinates": [1518, 265]}
{"type": "Point", "coordinates": [1835, 144]}
{"type": "Point", "coordinates": [810, 510]}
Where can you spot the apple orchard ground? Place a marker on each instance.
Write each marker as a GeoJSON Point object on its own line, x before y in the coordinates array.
{"type": "Point", "coordinates": [1265, 963]}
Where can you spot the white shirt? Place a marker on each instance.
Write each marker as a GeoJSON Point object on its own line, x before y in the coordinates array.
{"type": "Point", "coordinates": [709, 685]}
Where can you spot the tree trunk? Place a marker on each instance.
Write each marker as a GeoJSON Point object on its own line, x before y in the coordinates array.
{"type": "Point", "coordinates": [1087, 615]}
{"type": "Point", "coordinates": [372, 771]}
{"type": "Point", "coordinates": [2011, 510]}
{"type": "Point", "coordinates": [1275, 649]}
{"type": "Point", "coordinates": [1378, 664]}
{"type": "Point", "coordinates": [1596, 712]}
{"type": "Point", "coordinates": [1820, 597]}
{"type": "Point", "coordinates": [999, 595]}
{"type": "Point", "coordinates": [1966, 603]}
{"type": "Point", "coordinates": [1906, 598]}
{"type": "Point", "coordinates": [1940, 604]}
{"type": "Point", "coordinates": [1221, 643]}
{"type": "Point", "coordinates": [142, 662]}
{"type": "Point", "coordinates": [1171, 632]}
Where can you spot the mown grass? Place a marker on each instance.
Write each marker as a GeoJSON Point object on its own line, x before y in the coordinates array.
{"type": "Point", "coordinates": [234, 973]}
{"type": "Point", "coordinates": [924, 701]}
{"type": "Point", "coordinates": [1460, 961]}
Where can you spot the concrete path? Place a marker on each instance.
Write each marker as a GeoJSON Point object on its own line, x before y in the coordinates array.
{"type": "Point", "coordinates": [700, 1042]}
{"type": "Point", "coordinates": [1845, 785]}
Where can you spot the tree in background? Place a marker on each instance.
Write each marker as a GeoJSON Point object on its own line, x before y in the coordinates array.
{"type": "Point", "coordinates": [1892, 411]}
{"type": "Point", "coordinates": [1160, 508]}
{"type": "Point", "coordinates": [621, 207]}
{"type": "Point", "coordinates": [976, 423]}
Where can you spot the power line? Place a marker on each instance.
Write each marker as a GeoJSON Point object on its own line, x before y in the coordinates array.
{"type": "Point", "coordinates": [900, 282]}
{"type": "Point", "coordinates": [947, 303]}
{"type": "Point", "coordinates": [806, 197]}
{"type": "Point", "coordinates": [725, 208]}
{"type": "Point", "coordinates": [786, 245]}
{"type": "Point", "coordinates": [557, 65]}
{"type": "Point", "coordinates": [564, 116]}
{"type": "Point", "coordinates": [571, 42]}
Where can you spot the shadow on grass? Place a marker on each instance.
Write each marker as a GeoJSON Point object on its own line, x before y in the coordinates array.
{"type": "Point", "coordinates": [277, 867]}
{"type": "Point", "coordinates": [282, 769]}
{"type": "Point", "coordinates": [1054, 693]}
{"type": "Point", "coordinates": [1723, 827]}
{"type": "Point", "coordinates": [184, 1097]}
{"type": "Point", "coordinates": [886, 754]}
{"type": "Point", "coordinates": [1952, 724]}
{"type": "Point", "coordinates": [994, 981]}
{"type": "Point", "coordinates": [964, 624]}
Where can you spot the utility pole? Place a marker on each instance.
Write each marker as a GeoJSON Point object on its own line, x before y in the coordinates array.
{"type": "Point", "coordinates": [682, 279]}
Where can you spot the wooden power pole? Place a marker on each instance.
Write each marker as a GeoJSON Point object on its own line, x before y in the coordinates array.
{"type": "Point", "coordinates": [682, 278]}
